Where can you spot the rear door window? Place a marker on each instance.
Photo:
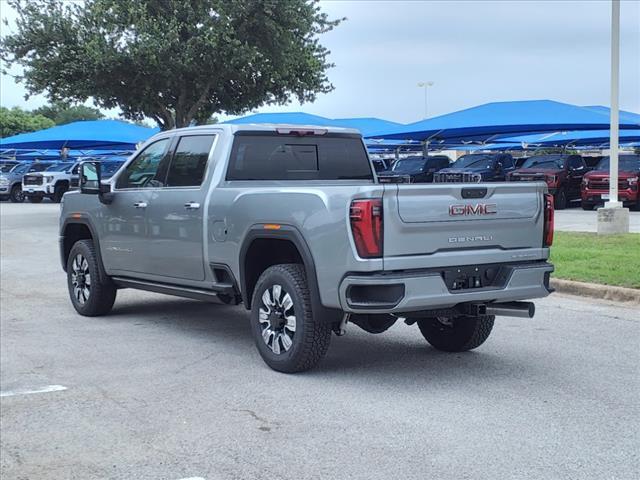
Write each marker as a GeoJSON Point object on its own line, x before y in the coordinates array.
{"type": "Point", "coordinates": [189, 161]}
{"type": "Point", "coordinates": [289, 157]}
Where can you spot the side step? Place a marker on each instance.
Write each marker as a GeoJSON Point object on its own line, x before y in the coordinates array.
{"type": "Point", "coordinates": [167, 289]}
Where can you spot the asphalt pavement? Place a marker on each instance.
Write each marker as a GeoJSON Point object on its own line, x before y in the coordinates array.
{"type": "Point", "coordinates": [166, 388]}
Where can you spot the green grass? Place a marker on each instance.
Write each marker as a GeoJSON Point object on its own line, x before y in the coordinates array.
{"type": "Point", "coordinates": [607, 259]}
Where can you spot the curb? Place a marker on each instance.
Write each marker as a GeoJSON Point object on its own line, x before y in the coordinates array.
{"type": "Point", "coordinates": [595, 290]}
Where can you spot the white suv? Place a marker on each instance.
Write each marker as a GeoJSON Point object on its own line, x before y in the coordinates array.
{"type": "Point", "coordinates": [51, 183]}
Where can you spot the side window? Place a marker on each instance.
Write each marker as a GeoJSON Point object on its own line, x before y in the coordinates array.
{"type": "Point", "coordinates": [507, 161]}
{"type": "Point", "coordinates": [145, 171]}
{"type": "Point", "coordinates": [190, 161]}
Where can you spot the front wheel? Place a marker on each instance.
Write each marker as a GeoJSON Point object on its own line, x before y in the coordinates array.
{"type": "Point", "coordinates": [90, 295]}
{"type": "Point", "coordinates": [456, 334]}
{"type": "Point", "coordinates": [288, 337]}
{"type": "Point", "coordinates": [58, 192]}
{"type": "Point", "coordinates": [16, 195]}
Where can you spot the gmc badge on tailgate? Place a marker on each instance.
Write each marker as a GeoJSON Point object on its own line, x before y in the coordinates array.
{"type": "Point", "coordinates": [477, 209]}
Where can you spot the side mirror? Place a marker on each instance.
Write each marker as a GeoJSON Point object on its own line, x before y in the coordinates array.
{"type": "Point", "coordinates": [90, 178]}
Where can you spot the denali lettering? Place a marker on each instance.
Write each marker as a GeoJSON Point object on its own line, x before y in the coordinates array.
{"type": "Point", "coordinates": [478, 209]}
{"type": "Point", "coordinates": [477, 238]}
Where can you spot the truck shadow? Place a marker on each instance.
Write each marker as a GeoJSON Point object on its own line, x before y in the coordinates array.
{"type": "Point", "coordinates": [396, 355]}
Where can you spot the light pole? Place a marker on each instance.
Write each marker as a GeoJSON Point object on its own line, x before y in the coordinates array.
{"type": "Point", "coordinates": [613, 132]}
{"type": "Point", "coordinates": [426, 86]}
{"type": "Point", "coordinates": [613, 218]}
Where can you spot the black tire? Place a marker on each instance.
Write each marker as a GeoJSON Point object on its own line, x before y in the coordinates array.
{"type": "Point", "coordinates": [16, 195]}
{"type": "Point", "coordinates": [308, 342]}
{"type": "Point", "coordinates": [35, 198]}
{"type": "Point", "coordinates": [587, 206]}
{"type": "Point", "coordinates": [459, 335]}
{"type": "Point", "coordinates": [97, 296]}
{"type": "Point", "coordinates": [59, 190]}
{"type": "Point", "coordinates": [560, 200]}
{"type": "Point", "coordinates": [636, 206]}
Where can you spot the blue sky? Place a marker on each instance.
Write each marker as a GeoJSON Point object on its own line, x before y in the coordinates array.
{"type": "Point", "coordinates": [474, 52]}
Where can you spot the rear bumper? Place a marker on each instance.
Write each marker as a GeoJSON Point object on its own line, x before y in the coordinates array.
{"type": "Point", "coordinates": [426, 290]}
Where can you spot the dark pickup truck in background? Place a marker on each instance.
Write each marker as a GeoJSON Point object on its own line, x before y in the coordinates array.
{"type": "Point", "coordinates": [415, 169]}
{"type": "Point", "coordinates": [476, 168]}
{"type": "Point", "coordinates": [595, 184]}
{"type": "Point", "coordinates": [562, 174]}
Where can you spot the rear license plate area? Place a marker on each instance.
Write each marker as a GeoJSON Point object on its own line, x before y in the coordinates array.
{"type": "Point", "coordinates": [470, 277]}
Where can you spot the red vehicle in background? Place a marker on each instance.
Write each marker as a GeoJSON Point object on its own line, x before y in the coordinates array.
{"type": "Point", "coordinates": [562, 174]}
{"type": "Point", "coordinates": [595, 184]}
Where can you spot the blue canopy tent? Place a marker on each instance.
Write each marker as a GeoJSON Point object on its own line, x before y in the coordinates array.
{"type": "Point", "coordinates": [487, 122]}
{"type": "Point", "coordinates": [290, 118]}
{"type": "Point", "coordinates": [366, 125]}
{"type": "Point", "coordinates": [95, 134]}
{"type": "Point", "coordinates": [592, 138]}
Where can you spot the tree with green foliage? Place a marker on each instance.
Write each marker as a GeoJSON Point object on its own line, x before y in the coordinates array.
{"type": "Point", "coordinates": [16, 120]}
{"type": "Point", "coordinates": [173, 61]}
{"type": "Point", "coordinates": [62, 114]}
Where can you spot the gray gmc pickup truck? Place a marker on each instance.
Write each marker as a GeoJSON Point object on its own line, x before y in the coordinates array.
{"type": "Point", "coordinates": [292, 222]}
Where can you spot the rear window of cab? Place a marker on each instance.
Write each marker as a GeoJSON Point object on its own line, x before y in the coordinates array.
{"type": "Point", "coordinates": [257, 156]}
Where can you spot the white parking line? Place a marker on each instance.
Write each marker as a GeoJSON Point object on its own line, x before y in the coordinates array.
{"type": "Point", "coordinates": [24, 391]}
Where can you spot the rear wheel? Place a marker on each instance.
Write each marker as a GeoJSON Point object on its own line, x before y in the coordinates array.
{"type": "Point", "coordinates": [35, 198]}
{"type": "Point", "coordinates": [288, 337]}
{"type": "Point", "coordinates": [456, 334]}
{"type": "Point", "coordinates": [560, 200]}
{"type": "Point", "coordinates": [90, 295]}
{"type": "Point", "coordinates": [16, 195]}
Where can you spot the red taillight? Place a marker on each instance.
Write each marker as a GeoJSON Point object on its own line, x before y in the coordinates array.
{"type": "Point", "coordinates": [548, 220]}
{"type": "Point", "coordinates": [366, 225]}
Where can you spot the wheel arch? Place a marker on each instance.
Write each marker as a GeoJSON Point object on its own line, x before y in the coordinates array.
{"type": "Point", "coordinates": [286, 245]}
{"type": "Point", "coordinates": [73, 230]}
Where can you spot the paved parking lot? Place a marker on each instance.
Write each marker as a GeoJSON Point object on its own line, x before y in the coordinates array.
{"type": "Point", "coordinates": [168, 388]}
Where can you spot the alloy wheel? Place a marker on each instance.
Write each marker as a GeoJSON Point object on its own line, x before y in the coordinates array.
{"type": "Point", "coordinates": [277, 319]}
{"type": "Point", "coordinates": [81, 279]}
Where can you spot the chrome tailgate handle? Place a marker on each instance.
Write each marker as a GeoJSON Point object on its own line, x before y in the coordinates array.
{"type": "Point", "coordinates": [140, 204]}
{"type": "Point", "coordinates": [192, 205]}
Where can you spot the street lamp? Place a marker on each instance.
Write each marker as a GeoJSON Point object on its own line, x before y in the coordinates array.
{"type": "Point", "coordinates": [426, 86]}
{"type": "Point", "coordinates": [613, 218]}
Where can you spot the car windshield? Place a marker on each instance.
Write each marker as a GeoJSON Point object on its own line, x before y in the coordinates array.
{"type": "Point", "coordinates": [473, 161]}
{"type": "Point", "coordinates": [629, 163]}
{"type": "Point", "coordinates": [545, 162]}
{"type": "Point", "coordinates": [408, 165]}
{"type": "Point", "coordinates": [6, 167]}
{"type": "Point", "coordinates": [20, 168]}
{"type": "Point", "coordinates": [60, 167]}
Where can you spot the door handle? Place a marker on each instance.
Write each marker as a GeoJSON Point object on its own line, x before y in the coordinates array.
{"type": "Point", "coordinates": [140, 204]}
{"type": "Point", "coordinates": [192, 205]}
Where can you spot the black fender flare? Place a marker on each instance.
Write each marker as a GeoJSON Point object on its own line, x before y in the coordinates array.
{"type": "Point", "coordinates": [292, 234]}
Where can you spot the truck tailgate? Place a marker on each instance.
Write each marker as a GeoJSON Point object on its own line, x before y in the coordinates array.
{"type": "Point", "coordinates": [429, 225]}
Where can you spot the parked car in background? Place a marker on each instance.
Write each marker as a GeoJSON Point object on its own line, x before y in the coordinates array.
{"type": "Point", "coordinates": [562, 174]}
{"type": "Point", "coordinates": [11, 181]}
{"type": "Point", "coordinates": [477, 167]}
{"type": "Point", "coordinates": [7, 165]}
{"type": "Point", "coordinates": [108, 168]}
{"type": "Point", "coordinates": [51, 183]}
{"type": "Point", "coordinates": [595, 184]}
{"type": "Point", "coordinates": [415, 169]}
{"type": "Point", "coordinates": [380, 164]}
